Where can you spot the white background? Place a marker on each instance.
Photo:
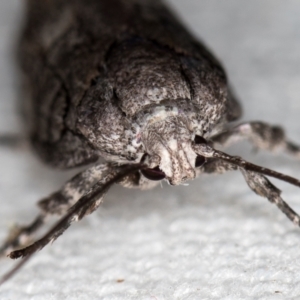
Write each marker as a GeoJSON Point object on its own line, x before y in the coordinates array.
{"type": "Point", "coordinates": [214, 239]}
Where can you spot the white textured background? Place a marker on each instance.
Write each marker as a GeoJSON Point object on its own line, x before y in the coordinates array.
{"type": "Point", "coordinates": [212, 240]}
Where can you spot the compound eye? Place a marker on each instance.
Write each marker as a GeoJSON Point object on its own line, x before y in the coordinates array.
{"type": "Point", "coordinates": [200, 140]}
{"type": "Point", "coordinates": [153, 174]}
{"type": "Point", "coordinates": [200, 160]}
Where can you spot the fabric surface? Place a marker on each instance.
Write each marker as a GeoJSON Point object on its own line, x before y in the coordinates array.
{"type": "Point", "coordinates": [213, 239]}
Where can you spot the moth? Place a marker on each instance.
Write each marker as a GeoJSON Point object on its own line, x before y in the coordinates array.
{"type": "Point", "coordinates": [124, 81]}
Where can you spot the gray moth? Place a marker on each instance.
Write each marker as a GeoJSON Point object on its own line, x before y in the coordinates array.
{"type": "Point", "coordinates": [123, 80]}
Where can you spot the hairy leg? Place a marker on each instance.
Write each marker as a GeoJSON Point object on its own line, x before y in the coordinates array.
{"type": "Point", "coordinates": [84, 206]}
{"type": "Point", "coordinates": [58, 203]}
{"type": "Point", "coordinates": [261, 135]}
{"type": "Point", "coordinates": [137, 180]}
{"type": "Point", "coordinates": [258, 183]}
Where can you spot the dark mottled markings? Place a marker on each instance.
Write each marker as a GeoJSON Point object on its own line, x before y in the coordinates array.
{"type": "Point", "coordinates": [125, 81]}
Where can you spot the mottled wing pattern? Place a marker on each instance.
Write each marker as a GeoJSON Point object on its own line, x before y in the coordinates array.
{"type": "Point", "coordinates": [66, 46]}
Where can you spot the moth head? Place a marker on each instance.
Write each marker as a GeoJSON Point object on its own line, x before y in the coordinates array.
{"type": "Point", "coordinates": [169, 151]}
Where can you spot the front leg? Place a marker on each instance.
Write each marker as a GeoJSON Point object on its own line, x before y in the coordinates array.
{"type": "Point", "coordinates": [137, 181]}
{"type": "Point", "coordinates": [58, 203]}
{"type": "Point", "coordinates": [261, 135]}
{"type": "Point", "coordinates": [258, 183]}
{"type": "Point", "coordinates": [84, 206]}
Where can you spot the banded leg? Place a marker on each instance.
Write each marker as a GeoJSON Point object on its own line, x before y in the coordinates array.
{"type": "Point", "coordinates": [258, 183]}
{"type": "Point", "coordinates": [84, 206]}
{"type": "Point", "coordinates": [58, 203]}
{"type": "Point", "coordinates": [261, 135]}
{"type": "Point", "coordinates": [137, 180]}
{"type": "Point", "coordinates": [263, 187]}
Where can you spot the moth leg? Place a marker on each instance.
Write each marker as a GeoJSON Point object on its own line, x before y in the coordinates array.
{"type": "Point", "coordinates": [258, 183]}
{"type": "Point", "coordinates": [216, 166]}
{"type": "Point", "coordinates": [264, 188]}
{"type": "Point", "coordinates": [84, 206]}
{"type": "Point", "coordinates": [137, 180]}
{"type": "Point", "coordinates": [57, 203]}
{"type": "Point", "coordinates": [21, 235]}
{"type": "Point", "coordinates": [261, 135]}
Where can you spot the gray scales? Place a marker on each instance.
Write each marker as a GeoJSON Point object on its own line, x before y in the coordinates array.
{"type": "Point", "coordinates": [125, 81]}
